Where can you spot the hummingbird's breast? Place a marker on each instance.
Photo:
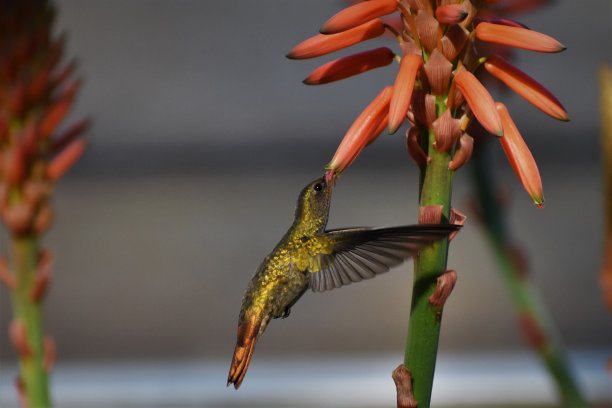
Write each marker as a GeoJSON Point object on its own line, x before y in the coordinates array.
{"type": "Point", "coordinates": [276, 285]}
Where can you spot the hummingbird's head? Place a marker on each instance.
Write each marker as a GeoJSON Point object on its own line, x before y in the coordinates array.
{"type": "Point", "coordinates": [313, 205]}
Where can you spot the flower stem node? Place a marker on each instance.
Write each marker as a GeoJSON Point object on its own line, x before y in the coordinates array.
{"type": "Point", "coordinates": [430, 214]}
{"type": "Point", "coordinates": [403, 383]}
{"type": "Point", "coordinates": [444, 286]}
{"type": "Point", "coordinates": [19, 338]}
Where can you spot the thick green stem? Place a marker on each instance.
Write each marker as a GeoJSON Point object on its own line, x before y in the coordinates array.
{"type": "Point", "coordinates": [425, 318]}
{"type": "Point", "coordinates": [33, 375]}
{"type": "Point", "coordinates": [522, 293]}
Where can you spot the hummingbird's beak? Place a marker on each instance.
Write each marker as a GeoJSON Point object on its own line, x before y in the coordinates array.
{"type": "Point", "coordinates": [330, 178]}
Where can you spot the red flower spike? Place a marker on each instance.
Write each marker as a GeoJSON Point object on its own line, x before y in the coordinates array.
{"type": "Point", "coordinates": [349, 66]}
{"type": "Point", "coordinates": [463, 152]}
{"type": "Point", "coordinates": [451, 13]}
{"type": "Point", "coordinates": [520, 157]}
{"type": "Point", "coordinates": [527, 87]}
{"type": "Point", "coordinates": [61, 163]}
{"type": "Point", "coordinates": [361, 132]}
{"type": "Point", "coordinates": [322, 44]}
{"type": "Point", "coordinates": [517, 37]}
{"type": "Point", "coordinates": [402, 90]}
{"type": "Point", "coordinates": [480, 102]}
{"type": "Point", "coordinates": [358, 14]}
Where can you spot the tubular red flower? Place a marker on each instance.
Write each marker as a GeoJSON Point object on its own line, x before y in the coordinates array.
{"type": "Point", "coordinates": [402, 90]}
{"type": "Point", "coordinates": [527, 87]}
{"type": "Point", "coordinates": [350, 66]}
{"type": "Point", "coordinates": [480, 102]}
{"type": "Point", "coordinates": [517, 37]}
{"type": "Point", "coordinates": [322, 44]}
{"type": "Point", "coordinates": [358, 14]}
{"type": "Point", "coordinates": [362, 132]}
{"type": "Point", "coordinates": [65, 159]}
{"type": "Point", "coordinates": [451, 13]}
{"type": "Point", "coordinates": [520, 157]}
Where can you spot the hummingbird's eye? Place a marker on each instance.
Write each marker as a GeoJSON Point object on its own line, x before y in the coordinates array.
{"type": "Point", "coordinates": [318, 187]}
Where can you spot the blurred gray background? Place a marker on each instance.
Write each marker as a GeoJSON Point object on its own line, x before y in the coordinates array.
{"type": "Point", "coordinates": [204, 135]}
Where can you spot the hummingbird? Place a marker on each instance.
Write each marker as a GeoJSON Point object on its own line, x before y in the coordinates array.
{"type": "Point", "coordinates": [309, 256]}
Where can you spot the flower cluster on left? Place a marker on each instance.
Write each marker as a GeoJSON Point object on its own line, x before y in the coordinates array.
{"type": "Point", "coordinates": [37, 91]}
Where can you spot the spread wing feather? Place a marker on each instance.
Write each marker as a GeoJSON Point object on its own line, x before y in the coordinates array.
{"type": "Point", "coordinates": [363, 253]}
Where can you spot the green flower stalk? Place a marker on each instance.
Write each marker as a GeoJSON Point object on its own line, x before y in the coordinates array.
{"type": "Point", "coordinates": [36, 92]}
{"type": "Point", "coordinates": [437, 94]}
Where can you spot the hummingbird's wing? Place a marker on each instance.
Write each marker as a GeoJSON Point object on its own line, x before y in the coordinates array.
{"type": "Point", "coordinates": [363, 253]}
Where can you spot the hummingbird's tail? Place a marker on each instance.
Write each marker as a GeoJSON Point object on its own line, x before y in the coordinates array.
{"type": "Point", "coordinates": [248, 332]}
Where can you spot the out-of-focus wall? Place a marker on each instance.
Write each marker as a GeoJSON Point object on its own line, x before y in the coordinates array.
{"type": "Point", "coordinates": [203, 137]}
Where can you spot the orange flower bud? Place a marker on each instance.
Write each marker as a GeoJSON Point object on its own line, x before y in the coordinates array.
{"type": "Point", "coordinates": [362, 132]}
{"type": "Point", "coordinates": [451, 13]}
{"type": "Point", "coordinates": [520, 157]}
{"type": "Point", "coordinates": [349, 66]}
{"type": "Point", "coordinates": [402, 90]}
{"type": "Point", "coordinates": [65, 159]}
{"type": "Point", "coordinates": [517, 37]}
{"type": "Point", "coordinates": [527, 87]}
{"type": "Point", "coordinates": [480, 102]}
{"type": "Point", "coordinates": [322, 44]}
{"type": "Point", "coordinates": [358, 14]}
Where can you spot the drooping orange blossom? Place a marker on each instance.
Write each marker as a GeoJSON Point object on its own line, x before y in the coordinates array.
{"type": "Point", "coordinates": [438, 56]}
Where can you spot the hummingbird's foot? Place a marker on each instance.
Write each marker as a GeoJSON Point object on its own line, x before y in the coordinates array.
{"type": "Point", "coordinates": [286, 313]}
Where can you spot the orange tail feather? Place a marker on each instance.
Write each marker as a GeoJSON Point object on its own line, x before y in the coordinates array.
{"type": "Point", "coordinates": [247, 337]}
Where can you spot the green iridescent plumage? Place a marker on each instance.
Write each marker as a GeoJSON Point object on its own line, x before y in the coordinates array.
{"type": "Point", "coordinates": [308, 256]}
